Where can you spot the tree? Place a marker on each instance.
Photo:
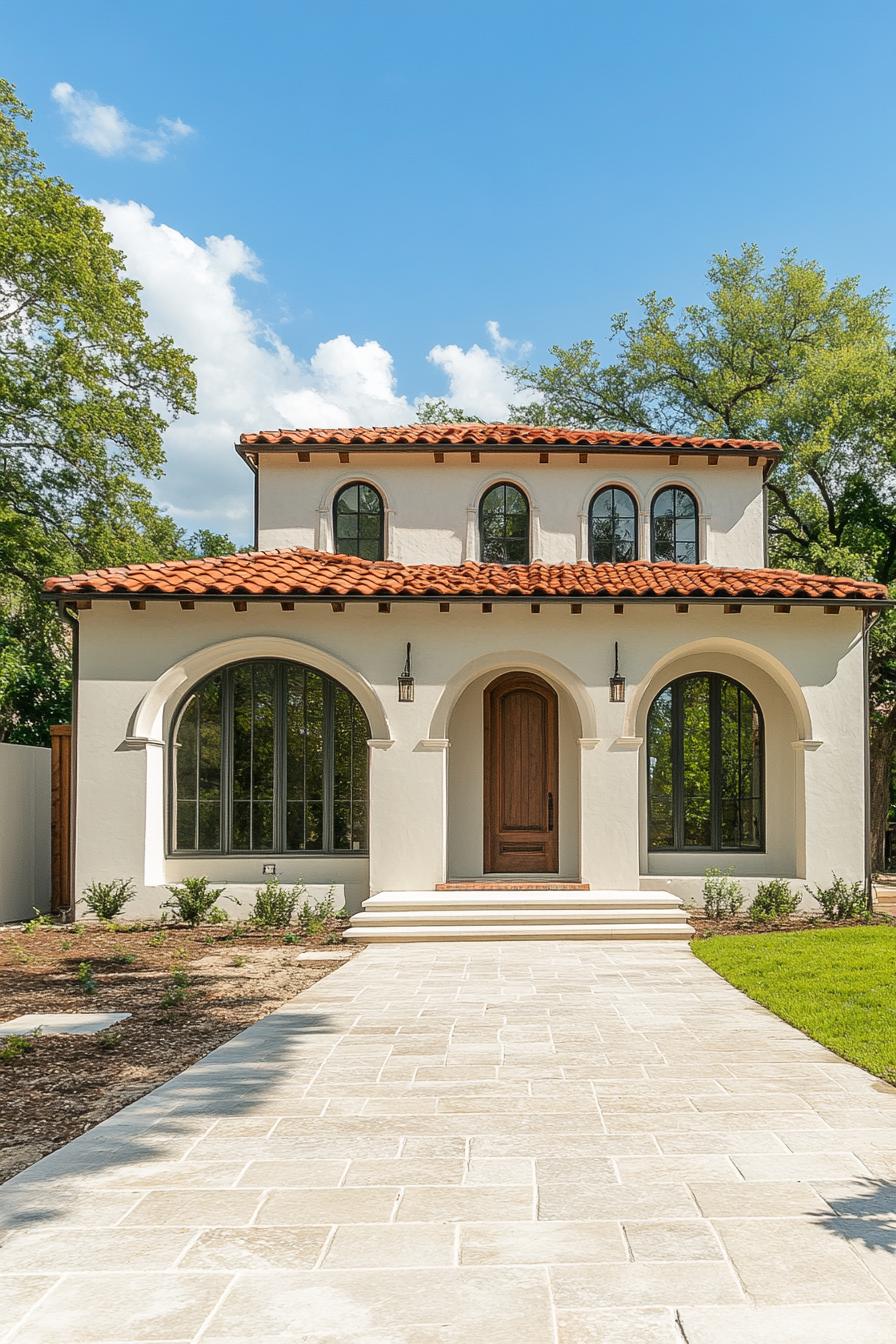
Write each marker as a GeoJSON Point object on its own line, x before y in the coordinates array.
{"type": "Point", "coordinates": [774, 353]}
{"type": "Point", "coordinates": [438, 412]}
{"type": "Point", "coordinates": [85, 396]}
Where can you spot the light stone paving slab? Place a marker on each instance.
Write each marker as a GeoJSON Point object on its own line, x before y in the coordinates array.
{"type": "Point", "coordinates": [60, 1024]}
{"type": "Point", "coordinates": [540, 1143]}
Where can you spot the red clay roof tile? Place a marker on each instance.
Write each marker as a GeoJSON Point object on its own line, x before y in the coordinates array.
{"type": "Point", "coordinates": [298, 572]}
{"type": "Point", "coordinates": [498, 435]}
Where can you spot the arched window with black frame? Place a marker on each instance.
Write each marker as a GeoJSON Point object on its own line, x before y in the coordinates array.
{"type": "Point", "coordinates": [673, 526]}
{"type": "Point", "coordinates": [705, 766]}
{"type": "Point", "coordinates": [504, 525]}
{"type": "Point", "coordinates": [612, 527]}
{"type": "Point", "coordinates": [268, 757]}
{"type": "Point", "coordinates": [359, 521]}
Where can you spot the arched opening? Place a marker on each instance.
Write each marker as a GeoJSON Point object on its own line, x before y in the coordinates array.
{"type": "Point", "coordinates": [705, 749]}
{"type": "Point", "coordinates": [612, 527]}
{"type": "Point", "coordinates": [468, 768]}
{"type": "Point", "coordinates": [504, 525]}
{"type": "Point", "coordinates": [673, 526]}
{"type": "Point", "coordinates": [359, 521]}
{"type": "Point", "coordinates": [268, 756]}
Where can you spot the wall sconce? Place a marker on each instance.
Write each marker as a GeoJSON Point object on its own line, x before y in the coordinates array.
{"type": "Point", "coordinates": [406, 681]}
{"type": "Point", "coordinates": [617, 682]}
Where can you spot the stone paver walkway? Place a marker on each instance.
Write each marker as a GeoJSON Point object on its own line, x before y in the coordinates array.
{"type": "Point", "coordinates": [547, 1143]}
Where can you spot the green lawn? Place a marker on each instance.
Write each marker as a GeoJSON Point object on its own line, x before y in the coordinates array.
{"type": "Point", "coordinates": [837, 985]}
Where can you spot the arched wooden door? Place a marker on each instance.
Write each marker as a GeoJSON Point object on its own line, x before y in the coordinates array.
{"type": "Point", "coordinates": [520, 786]}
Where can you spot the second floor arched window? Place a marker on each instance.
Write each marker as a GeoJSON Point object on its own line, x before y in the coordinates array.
{"type": "Point", "coordinates": [612, 527]}
{"type": "Point", "coordinates": [359, 521]}
{"type": "Point", "coordinates": [673, 526]}
{"type": "Point", "coordinates": [504, 526]}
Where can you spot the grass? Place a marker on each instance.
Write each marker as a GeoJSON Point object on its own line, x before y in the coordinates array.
{"type": "Point", "coordinates": [836, 985]}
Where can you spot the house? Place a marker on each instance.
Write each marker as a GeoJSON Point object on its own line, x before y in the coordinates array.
{"type": "Point", "coordinates": [546, 664]}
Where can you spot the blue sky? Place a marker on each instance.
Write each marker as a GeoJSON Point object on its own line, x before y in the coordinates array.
{"type": "Point", "coordinates": [385, 179]}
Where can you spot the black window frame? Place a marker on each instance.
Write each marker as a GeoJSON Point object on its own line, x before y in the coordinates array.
{"type": "Point", "coordinates": [357, 514]}
{"type": "Point", "coordinates": [614, 490]}
{"type": "Point", "coordinates": [715, 769]}
{"type": "Point", "coordinates": [676, 490]}
{"type": "Point", "coordinates": [486, 495]}
{"type": "Point", "coordinates": [225, 850]}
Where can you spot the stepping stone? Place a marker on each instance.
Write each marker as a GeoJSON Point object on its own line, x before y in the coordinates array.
{"type": "Point", "coordinates": [337, 954]}
{"type": "Point", "coordinates": [56, 1024]}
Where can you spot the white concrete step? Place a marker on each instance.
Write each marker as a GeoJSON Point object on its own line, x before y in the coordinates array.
{"type": "Point", "coordinates": [521, 900]}
{"type": "Point", "coordinates": [525, 915]}
{"type": "Point", "coordinates": [419, 916]}
{"type": "Point", "coordinates": [405, 933]}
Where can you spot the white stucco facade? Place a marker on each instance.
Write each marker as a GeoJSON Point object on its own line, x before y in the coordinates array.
{"type": "Point", "coordinates": [802, 663]}
{"type": "Point", "coordinates": [426, 777]}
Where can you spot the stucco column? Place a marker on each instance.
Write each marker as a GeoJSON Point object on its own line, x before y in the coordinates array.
{"type": "Point", "coordinates": [608, 785]}
{"type": "Point", "coordinates": [408, 814]}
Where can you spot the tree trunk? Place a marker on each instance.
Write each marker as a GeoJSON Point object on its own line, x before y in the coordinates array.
{"type": "Point", "coordinates": [883, 748]}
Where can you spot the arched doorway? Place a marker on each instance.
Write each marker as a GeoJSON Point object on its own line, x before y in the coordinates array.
{"type": "Point", "coordinates": [521, 770]}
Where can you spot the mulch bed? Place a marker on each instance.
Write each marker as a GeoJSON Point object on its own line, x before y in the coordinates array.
{"type": "Point", "coordinates": [709, 928]}
{"type": "Point", "coordinates": [64, 1085]}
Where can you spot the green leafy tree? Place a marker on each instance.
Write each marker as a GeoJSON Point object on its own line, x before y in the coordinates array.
{"type": "Point", "coordinates": [85, 396]}
{"type": "Point", "coordinates": [438, 412]}
{"type": "Point", "coordinates": [773, 353]}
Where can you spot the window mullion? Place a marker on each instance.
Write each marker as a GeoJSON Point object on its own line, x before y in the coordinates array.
{"type": "Point", "coordinates": [227, 762]}
{"type": "Point", "coordinates": [279, 790]}
{"type": "Point", "coordinates": [677, 768]}
{"type": "Point", "coordinates": [329, 765]}
{"type": "Point", "coordinates": [715, 761]}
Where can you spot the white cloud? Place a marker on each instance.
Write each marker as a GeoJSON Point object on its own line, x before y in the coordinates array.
{"type": "Point", "coordinates": [249, 379]}
{"type": "Point", "coordinates": [479, 380]}
{"type": "Point", "coordinates": [102, 128]}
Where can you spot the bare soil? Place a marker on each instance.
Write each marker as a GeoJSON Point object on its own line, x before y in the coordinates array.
{"type": "Point", "coordinates": [226, 978]}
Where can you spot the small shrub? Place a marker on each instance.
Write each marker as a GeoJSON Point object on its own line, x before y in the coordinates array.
{"type": "Point", "coordinates": [773, 900]}
{"type": "Point", "coordinates": [106, 900]}
{"type": "Point", "coordinates": [110, 1039]}
{"type": "Point", "coordinates": [176, 994]}
{"type": "Point", "coordinates": [292, 938]}
{"type": "Point", "coordinates": [158, 938]}
{"type": "Point", "coordinates": [193, 902]}
{"type": "Point", "coordinates": [315, 918]}
{"type": "Point", "coordinates": [85, 978]}
{"type": "Point", "coordinates": [124, 959]}
{"type": "Point", "coordinates": [275, 905]}
{"type": "Point", "coordinates": [238, 961]}
{"type": "Point", "coordinates": [723, 895]}
{"type": "Point", "coordinates": [842, 899]}
{"type": "Point", "coordinates": [14, 1047]}
{"type": "Point", "coordinates": [38, 922]}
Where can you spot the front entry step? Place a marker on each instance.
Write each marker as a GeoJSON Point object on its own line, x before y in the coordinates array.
{"type": "Point", "coordinates": [546, 914]}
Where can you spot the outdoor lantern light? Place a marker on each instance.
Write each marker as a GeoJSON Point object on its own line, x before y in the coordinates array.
{"type": "Point", "coordinates": [617, 682]}
{"type": "Point", "coordinates": [406, 681]}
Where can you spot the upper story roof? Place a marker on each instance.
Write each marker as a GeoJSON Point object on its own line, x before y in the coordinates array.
{"type": "Point", "coordinates": [498, 438]}
{"type": "Point", "coordinates": [299, 573]}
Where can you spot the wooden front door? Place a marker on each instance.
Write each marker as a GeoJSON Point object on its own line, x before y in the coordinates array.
{"type": "Point", "coordinates": [520, 775]}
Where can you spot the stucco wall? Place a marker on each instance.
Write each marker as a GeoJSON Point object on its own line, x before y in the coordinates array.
{"type": "Point", "coordinates": [432, 509]}
{"type": "Point", "coordinates": [805, 668]}
{"type": "Point", "coordinates": [24, 831]}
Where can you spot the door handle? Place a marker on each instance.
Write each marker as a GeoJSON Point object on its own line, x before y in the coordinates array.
{"type": "Point", "coordinates": [550, 811]}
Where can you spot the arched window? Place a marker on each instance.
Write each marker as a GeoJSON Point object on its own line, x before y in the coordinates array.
{"type": "Point", "coordinates": [705, 766]}
{"type": "Point", "coordinates": [358, 518]}
{"type": "Point", "coordinates": [504, 526]}
{"type": "Point", "coordinates": [269, 757]}
{"type": "Point", "coordinates": [612, 527]}
{"type": "Point", "coordinates": [673, 526]}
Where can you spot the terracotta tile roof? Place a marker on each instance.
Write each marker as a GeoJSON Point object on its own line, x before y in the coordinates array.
{"type": "Point", "coordinates": [494, 435]}
{"type": "Point", "coordinates": [298, 572]}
